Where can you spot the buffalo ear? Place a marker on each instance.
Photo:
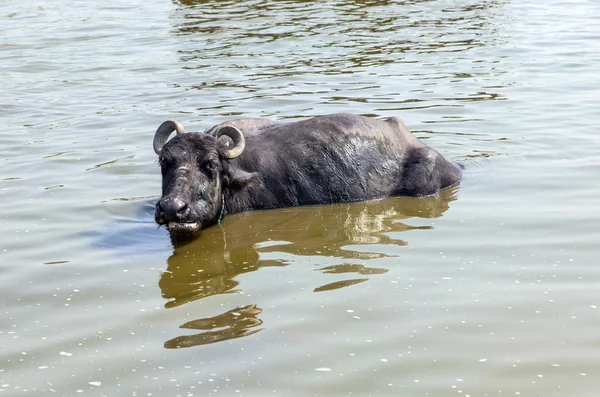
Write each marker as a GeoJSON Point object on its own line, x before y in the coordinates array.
{"type": "Point", "coordinates": [239, 179]}
{"type": "Point", "coordinates": [224, 143]}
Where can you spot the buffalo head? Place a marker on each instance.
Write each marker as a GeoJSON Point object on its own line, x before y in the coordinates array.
{"type": "Point", "coordinates": [196, 176]}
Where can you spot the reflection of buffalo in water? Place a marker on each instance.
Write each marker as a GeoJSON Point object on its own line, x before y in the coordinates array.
{"type": "Point", "coordinates": [209, 265]}
{"type": "Point", "coordinates": [233, 324]}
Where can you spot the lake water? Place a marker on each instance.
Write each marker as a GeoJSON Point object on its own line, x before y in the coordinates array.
{"type": "Point", "coordinates": [488, 289]}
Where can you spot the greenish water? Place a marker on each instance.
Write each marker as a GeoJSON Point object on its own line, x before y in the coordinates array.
{"type": "Point", "coordinates": [488, 289]}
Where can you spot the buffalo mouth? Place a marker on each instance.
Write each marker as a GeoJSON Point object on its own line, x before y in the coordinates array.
{"type": "Point", "coordinates": [184, 227]}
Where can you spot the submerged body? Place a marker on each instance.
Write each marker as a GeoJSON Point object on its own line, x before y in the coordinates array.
{"type": "Point", "coordinates": [329, 159]}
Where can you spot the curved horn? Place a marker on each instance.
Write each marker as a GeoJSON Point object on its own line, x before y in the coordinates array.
{"type": "Point", "coordinates": [239, 143]}
{"type": "Point", "coordinates": [164, 131]}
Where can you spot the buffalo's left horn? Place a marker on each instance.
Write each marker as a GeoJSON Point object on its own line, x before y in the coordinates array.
{"type": "Point", "coordinates": [164, 131]}
{"type": "Point", "coordinates": [239, 143]}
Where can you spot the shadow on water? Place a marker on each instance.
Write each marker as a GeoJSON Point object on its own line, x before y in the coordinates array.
{"type": "Point", "coordinates": [346, 235]}
{"type": "Point", "coordinates": [137, 236]}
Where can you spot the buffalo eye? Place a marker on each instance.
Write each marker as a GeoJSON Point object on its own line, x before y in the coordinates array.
{"type": "Point", "coordinates": [210, 167]}
{"type": "Point", "coordinates": [164, 164]}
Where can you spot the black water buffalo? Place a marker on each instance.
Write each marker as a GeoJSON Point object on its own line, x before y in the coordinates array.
{"type": "Point", "coordinates": [251, 164]}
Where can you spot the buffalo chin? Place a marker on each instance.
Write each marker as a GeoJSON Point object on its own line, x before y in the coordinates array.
{"type": "Point", "coordinates": [190, 228]}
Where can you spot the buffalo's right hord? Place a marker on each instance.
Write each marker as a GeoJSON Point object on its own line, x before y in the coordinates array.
{"type": "Point", "coordinates": [251, 164]}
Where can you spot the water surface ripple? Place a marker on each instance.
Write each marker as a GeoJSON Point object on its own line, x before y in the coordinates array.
{"type": "Point", "coordinates": [487, 289]}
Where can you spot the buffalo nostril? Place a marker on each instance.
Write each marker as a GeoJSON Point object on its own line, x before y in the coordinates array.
{"type": "Point", "coordinates": [172, 207]}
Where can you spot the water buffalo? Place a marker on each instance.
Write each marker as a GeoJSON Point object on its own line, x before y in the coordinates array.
{"type": "Point", "coordinates": [252, 164]}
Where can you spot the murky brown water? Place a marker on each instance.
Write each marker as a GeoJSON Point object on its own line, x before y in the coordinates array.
{"type": "Point", "coordinates": [489, 289]}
